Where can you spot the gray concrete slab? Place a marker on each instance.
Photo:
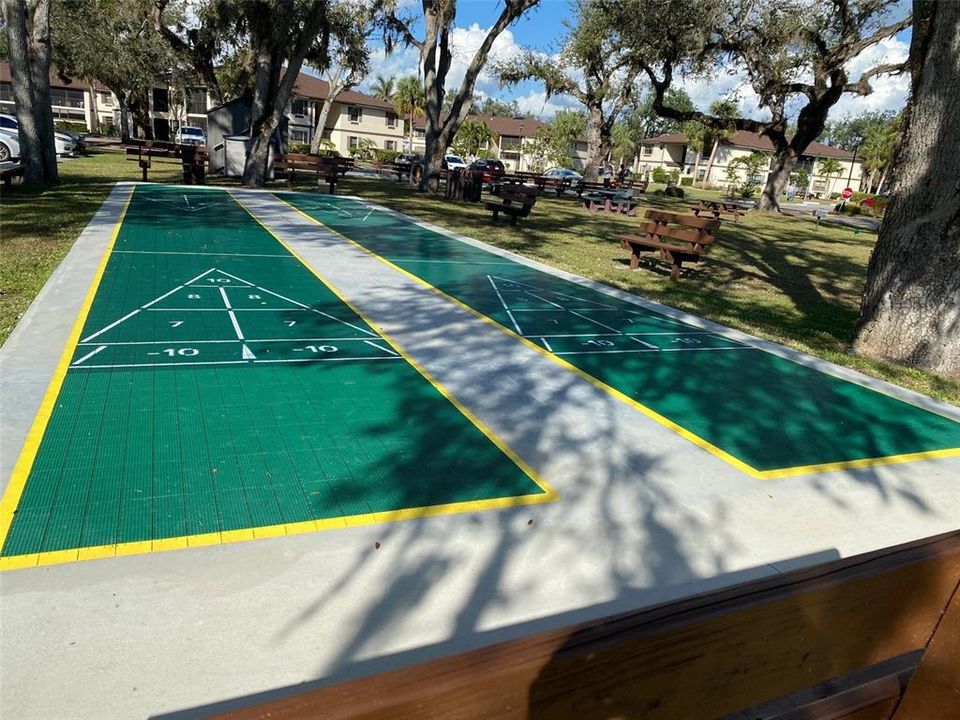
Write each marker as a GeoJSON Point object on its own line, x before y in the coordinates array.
{"type": "Point", "coordinates": [644, 517]}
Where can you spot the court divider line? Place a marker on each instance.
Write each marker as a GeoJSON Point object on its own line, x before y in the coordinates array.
{"type": "Point", "coordinates": [649, 412]}
{"type": "Point", "coordinates": [28, 454]}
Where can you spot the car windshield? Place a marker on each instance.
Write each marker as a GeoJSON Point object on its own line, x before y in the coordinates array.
{"type": "Point", "coordinates": [454, 158]}
{"type": "Point", "coordinates": [191, 131]}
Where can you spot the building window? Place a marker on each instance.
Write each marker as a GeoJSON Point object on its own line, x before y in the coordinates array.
{"type": "Point", "coordinates": [389, 145]}
{"type": "Point", "coordinates": [197, 101]}
{"type": "Point", "coordinates": [6, 94]}
{"type": "Point", "coordinates": [701, 173]}
{"type": "Point", "coordinates": [298, 106]}
{"type": "Point", "coordinates": [62, 97]}
{"type": "Point", "coordinates": [352, 142]}
{"type": "Point", "coordinates": [391, 120]}
{"type": "Point", "coordinates": [356, 114]}
{"type": "Point", "coordinates": [106, 99]}
{"type": "Point", "coordinates": [647, 150]}
{"type": "Point", "coordinates": [299, 133]}
{"type": "Point", "coordinates": [419, 132]}
{"type": "Point", "coordinates": [161, 100]}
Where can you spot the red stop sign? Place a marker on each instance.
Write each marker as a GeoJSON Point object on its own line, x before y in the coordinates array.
{"type": "Point", "coordinates": [847, 193]}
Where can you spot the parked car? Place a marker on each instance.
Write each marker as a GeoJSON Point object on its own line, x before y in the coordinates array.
{"type": "Point", "coordinates": [9, 145]}
{"type": "Point", "coordinates": [492, 169]}
{"type": "Point", "coordinates": [190, 135]}
{"type": "Point", "coordinates": [454, 162]}
{"type": "Point", "coordinates": [65, 144]}
{"type": "Point", "coordinates": [563, 173]}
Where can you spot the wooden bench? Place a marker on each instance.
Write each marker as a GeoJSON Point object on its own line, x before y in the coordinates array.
{"type": "Point", "coordinates": [718, 209]}
{"type": "Point", "coordinates": [327, 168]}
{"type": "Point", "coordinates": [193, 158]}
{"type": "Point", "coordinates": [678, 238]}
{"type": "Point", "coordinates": [9, 173]}
{"type": "Point", "coordinates": [516, 201]}
{"type": "Point", "coordinates": [615, 201]}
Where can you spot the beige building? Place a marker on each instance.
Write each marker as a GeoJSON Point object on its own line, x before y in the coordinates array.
{"type": "Point", "coordinates": [671, 152]}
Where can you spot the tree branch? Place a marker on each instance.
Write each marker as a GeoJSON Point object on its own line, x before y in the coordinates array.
{"type": "Point", "coordinates": [881, 34]}
{"type": "Point", "coordinates": [863, 87]}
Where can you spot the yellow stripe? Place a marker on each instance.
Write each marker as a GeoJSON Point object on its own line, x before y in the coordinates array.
{"type": "Point", "coordinates": [21, 471]}
{"type": "Point", "coordinates": [652, 414]}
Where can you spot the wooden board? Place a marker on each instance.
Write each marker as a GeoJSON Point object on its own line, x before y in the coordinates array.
{"type": "Point", "coordinates": [699, 658]}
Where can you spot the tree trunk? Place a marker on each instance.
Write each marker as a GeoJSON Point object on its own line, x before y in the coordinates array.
{"type": "Point", "coordinates": [713, 157]}
{"type": "Point", "coordinates": [94, 111]}
{"type": "Point", "coordinates": [28, 38]}
{"type": "Point", "coordinates": [911, 304]}
{"type": "Point", "coordinates": [271, 91]}
{"type": "Point", "coordinates": [696, 164]}
{"type": "Point", "coordinates": [321, 125]}
{"type": "Point", "coordinates": [783, 164]}
{"type": "Point", "coordinates": [598, 142]}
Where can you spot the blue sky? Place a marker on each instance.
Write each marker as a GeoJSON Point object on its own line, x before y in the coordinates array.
{"type": "Point", "coordinates": [541, 28]}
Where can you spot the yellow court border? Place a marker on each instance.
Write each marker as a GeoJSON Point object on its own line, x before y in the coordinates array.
{"type": "Point", "coordinates": [649, 412]}
{"type": "Point", "coordinates": [14, 491]}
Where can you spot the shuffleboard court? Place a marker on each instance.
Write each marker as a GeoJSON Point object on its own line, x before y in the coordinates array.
{"type": "Point", "coordinates": [767, 415]}
{"type": "Point", "coordinates": [218, 390]}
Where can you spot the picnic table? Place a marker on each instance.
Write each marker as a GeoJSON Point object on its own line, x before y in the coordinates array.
{"type": "Point", "coordinates": [719, 208]}
{"type": "Point", "coordinates": [610, 200]}
{"type": "Point", "coordinates": [192, 157]}
{"type": "Point", "coordinates": [328, 168]}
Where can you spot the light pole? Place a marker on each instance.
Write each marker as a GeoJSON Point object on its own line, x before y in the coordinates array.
{"type": "Point", "coordinates": [520, 151]}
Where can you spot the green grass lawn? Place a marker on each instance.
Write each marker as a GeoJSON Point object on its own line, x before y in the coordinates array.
{"type": "Point", "coordinates": [780, 278]}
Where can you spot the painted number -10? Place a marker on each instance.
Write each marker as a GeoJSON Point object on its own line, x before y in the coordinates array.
{"type": "Point", "coordinates": [321, 348]}
{"type": "Point", "coordinates": [182, 352]}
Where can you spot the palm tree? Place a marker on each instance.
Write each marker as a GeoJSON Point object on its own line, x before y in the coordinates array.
{"type": "Point", "coordinates": [696, 135]}
{"type": "Point", "coordinates": [408, 99]}
{"type": "Point", "coordinates": [828, 167]}
{"type": "Point", "coordinates": [473, 137]}
{"type": "Point", "coordinates": [723, 109]}
{"type": "Point", "coordinates": [384, 87]}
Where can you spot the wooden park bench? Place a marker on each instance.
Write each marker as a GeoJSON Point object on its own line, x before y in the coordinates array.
{"type": "Point", "coordinates": [327, 168]}
{"type": "Point", "coordinates": [718, 209]}
{"type": "Point", "coordinates": [516, 201]}
{"type": "Point", "coordinates": [678, 239]}
{"type": "Point", "coordinates": [7, 174]}
{"type": "Point", "coordinates": [616, 201]}
{"type": "Point", "coordinates": [193, 158]}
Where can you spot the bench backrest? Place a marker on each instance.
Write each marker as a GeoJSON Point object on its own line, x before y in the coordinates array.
{"type": "Point", "coordinates": [698, 231]}
{"type": "Point", "coordinates": [519, 195]}
{"type": "Point", "coordinates": [320, 163]}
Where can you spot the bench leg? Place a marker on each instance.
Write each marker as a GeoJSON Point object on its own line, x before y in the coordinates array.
{"type": "Point", "coordinates": [513, 219]}
{"type": "Point", "coordinates": [675, 270]}
{"type": "Point", "coordinates": [496, 215]}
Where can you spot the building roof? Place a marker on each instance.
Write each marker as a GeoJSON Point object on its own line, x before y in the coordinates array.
{"type": "Point", "coordinates": [755, 141]}
{"type": "Point", "coordinates": [56, 79]}
{"type": "Point", "coordinates": [314, 88]}
{"type": "Point", "coordinates": [502, 126]}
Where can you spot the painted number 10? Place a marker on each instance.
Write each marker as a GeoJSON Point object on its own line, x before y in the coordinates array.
{"type": "Point", "coordinates": [182, 352]}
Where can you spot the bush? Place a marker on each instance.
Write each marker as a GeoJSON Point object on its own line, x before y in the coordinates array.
{"type": "Point", "coordinates": [659, 175]}
{"type": "Point", "coordinates": [298, 148]}
{"type": "Point", "coordinates": [674, 192]}
{"type": "Point", "coordinates": [749, 189]}
{"type": "Point", "coordinates": [675, 175]}
{"type": "Point", "coordinates": [658, 193]}
{"type": "Point", "coordinates": [385, 156]}
{"type": "Point", "coordinates": [686, 181]}
{"type": "Point", "coordinates": [77, 127]}
{"type": "Point", "coordinates": [834, 196]}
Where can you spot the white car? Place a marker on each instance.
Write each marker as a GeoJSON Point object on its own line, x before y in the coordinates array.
{"type": "Point", "coordinates": [65, 144]}
{"type": "Point", "coordinates": [9, 145]}
{"type": "Point", "coordinates": [454, 162]}
{"type": "Point", "coordinates": [189, 135]}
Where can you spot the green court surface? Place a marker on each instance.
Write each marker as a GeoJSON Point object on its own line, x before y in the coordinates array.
{"type": "Point", "coordinates": [218, 390]}
{"type": "Point", "coordinates": [762, 413]}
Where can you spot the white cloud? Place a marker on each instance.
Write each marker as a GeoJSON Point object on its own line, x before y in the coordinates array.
{"type": "Point", "coordinates": [536, 103]}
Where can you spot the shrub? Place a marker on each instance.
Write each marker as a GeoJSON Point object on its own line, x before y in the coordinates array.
{"type": "Point", "coordinates": [675, 175]}
{"type": "Point", "coordinates": [674, 192]}
{"type": "Point", "coordinates": [749, 189]}
{"type": "Point", "coordinates": [686, 181]}
{"type": "Point", "coordinates": [77, 127]}
{"type": "Point", "coordinates": [385, 156]}
{"type": "Point", "coordinates": [659, 175]}
{"type": "Point", "coordinates": [298, 148]}
{"type": "Point", "coordinates": [834, 196]}
{"type": "Point", "coordinates": [658, 193]}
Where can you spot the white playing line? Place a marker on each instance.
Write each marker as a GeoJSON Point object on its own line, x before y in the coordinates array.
{"type": "Point", "coordinates": [233, 318]}
{"type": "Point", "coordinates": [258, 340]}
{"type": "Point", "coordinates": [655, 349]}
{"type": "Point", "coordinates": [247, 353]}
{"type": "Point", "coordinates": [144, 307]}
{"type": "Point", "coordinates": [305, 307]}
{"type": "Point", "coordinates": [505, 307]}
{"type": "Point", "coordinates": [546, 344]}
{"type": "Point", "coordinates": [595, 322]}
{"type": "Point", "coordinates": [556, 305]}
{"type": "Point", "coordinates": [89, 355]}
{"type": "Point", "coordinates": [373, 344]}
{"type": "Point", "coordinates": [645, 344]}
{"type": "Point", "coordinates": [212, 254]}
{"type": "Point", "coordinates": [237, 362]}
{"type": "Point", "coordinates": [555, 292]}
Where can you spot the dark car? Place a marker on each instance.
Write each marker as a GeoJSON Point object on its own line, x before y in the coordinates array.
{"type": "Point", "coordinates": [492, 169]}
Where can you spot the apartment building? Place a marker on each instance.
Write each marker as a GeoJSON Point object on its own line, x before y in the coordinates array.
{"type": "Point", "coordinates": [672, 152]}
